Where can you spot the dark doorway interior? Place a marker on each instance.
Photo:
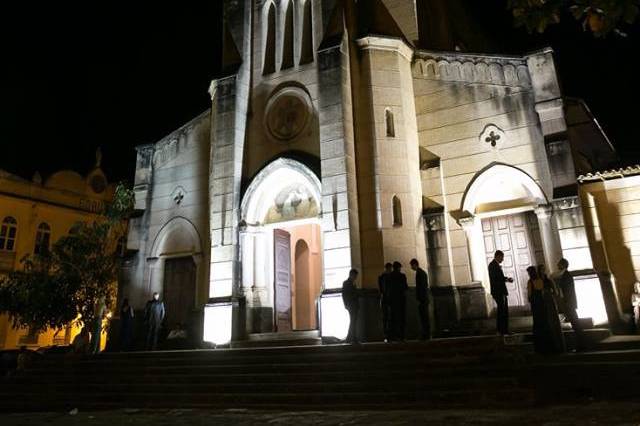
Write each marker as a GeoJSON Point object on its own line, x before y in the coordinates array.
{"type": "Point", "coordinates": [179, 292]}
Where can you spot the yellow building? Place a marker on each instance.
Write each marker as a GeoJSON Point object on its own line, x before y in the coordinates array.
{"type": "Point", "coordinates": [33, 215]}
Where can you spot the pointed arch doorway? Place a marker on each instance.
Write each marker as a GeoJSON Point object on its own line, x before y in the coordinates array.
{"type": "Point", "coordinates": [281, 248]}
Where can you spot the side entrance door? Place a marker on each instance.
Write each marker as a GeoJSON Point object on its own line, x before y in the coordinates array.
{"type": "Point", "coordinates": [511, 235]}
{"type": "Point", "coordinates": [179, 292]}
{"type": "Point", "coordinates": [282, 270]}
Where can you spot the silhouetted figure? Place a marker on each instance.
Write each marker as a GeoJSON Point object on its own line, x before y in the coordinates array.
{"type": "Point", "coordinates": [397, 291]}
{"type": "Point", "coordinates": [154, 314]}
{"type": "Point", "coordinates": [422, 296]}
{"type": "Point", "coordinates": [351, 304]}
{"type": "Point", "coordinates": [82, 342]}
{"type": "Point", "coordinates": [385, 304]}
{"type": "Point", "coordinates": [547, 334]}
{"type": "Point", "coordinates": [99, 312]}
{"type": "Point", "coordinates": [499, 292]}
{"type": "Point", "coordinates": [126, 325]}
{"type": "Point", "coordinates": [556, 337]}
{"type": "Point", "coordinates": [569, 301]}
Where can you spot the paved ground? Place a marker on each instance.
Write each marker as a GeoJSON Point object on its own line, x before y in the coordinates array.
{"type": "Point", "coordinates": [588, 414]}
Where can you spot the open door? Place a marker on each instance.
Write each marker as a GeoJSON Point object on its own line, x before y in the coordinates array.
{"type": "Point", "coordinates": [282, 268]}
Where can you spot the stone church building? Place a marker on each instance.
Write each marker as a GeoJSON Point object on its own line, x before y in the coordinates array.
{"type": "Point", "coordinates": [348, 134]}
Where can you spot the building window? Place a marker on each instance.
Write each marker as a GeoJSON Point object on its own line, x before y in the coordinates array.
{"type": "Point", "coordinates": [397, 211]}
{"type": "Point", "coordinates": [8, 234]}
{"type": "Point", "coordinates": [306, 49]}
{"type": "Point", "coordinates": [389, 123]}
{"type": "Point", "coordinates": [270, 42]}
{"type": "Point", "coordinates": [43, 236]}
{"type": "Point", "coordinates": [287, 44]}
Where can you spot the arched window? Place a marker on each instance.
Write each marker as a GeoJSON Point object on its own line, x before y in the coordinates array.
{"type": "Point", "coordinates": [43, 236]}
{"type": "Point", "coordinates": [8, 233]}
{"type": "Point", "coordinates": [306, 48]}
{"type": "Point", "coordinates": [270, 42]}
{"type": "Point", "coordinates": [287, 43]}
{"type": "Point", "coordinates": [389, 123]}
{"type": "Point", "coordinates": [397, 211]}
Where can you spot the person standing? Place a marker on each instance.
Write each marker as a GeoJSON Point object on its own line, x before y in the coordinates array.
{"type": "Point", "coordinates": [154, 314]}
{"type": "Point", "coordinates": [351, 304]}
{"type": "Point", "coordinates": [99, 311]}
{"type": "Point", "coordinates": [385, 305]}
{"type": "Point", "coordinates": [567, 287]}
{"type": "Point", "coordinates": [499, 292]}
{"type": "Point", "coordinates": [422, 296]}
{"type": "Point", "coordinates": [398, 290]}
{"type": "Point", "coordinates": [126, 325]}
{"type": "Point", "coordinates": [556, 337]}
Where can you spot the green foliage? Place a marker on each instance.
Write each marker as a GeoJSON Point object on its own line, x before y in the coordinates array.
{"type": "Point", "coordinates": [601, 17]}
{"type": "Point", "coordinates": [64, 283]}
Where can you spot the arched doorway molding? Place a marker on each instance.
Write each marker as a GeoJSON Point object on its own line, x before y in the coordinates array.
{"type": "Point", "coordinates": [177, 238]}
{"type": "Point", "coordinates": [499, 187]}
{"type": "Point", "coordinates": [497, 190]}
{"type": "Point", "coordinates": [285, 194]}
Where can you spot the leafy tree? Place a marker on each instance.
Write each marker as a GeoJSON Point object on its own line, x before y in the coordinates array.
{"type": "Point", "coordinates": [598, 16]}
{"type": "Point", "coordinates": [63, 284]}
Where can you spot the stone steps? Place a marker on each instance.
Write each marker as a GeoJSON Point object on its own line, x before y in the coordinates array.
{"type": "Point", "coordinates": [467, 372]}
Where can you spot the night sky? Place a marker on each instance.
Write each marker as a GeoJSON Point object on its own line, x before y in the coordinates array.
{"type": "Point", "coordinates": [119, 75]}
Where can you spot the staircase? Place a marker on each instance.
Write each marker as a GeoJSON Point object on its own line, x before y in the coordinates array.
{"type": "Point", "coordinates": [478, 372]}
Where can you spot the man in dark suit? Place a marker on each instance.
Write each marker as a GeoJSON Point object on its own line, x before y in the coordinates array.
{"type": "Point", "coordinates": [422, 296]}
{"type": "Point", "coordinates": [398, 290]}
{"type": "Point", "coordinates": [385, 305]}
{"type": "Point", "coordinates": [351, 304]}
{"type": "Point", "coordinates": [499, 292]}
{"type": "Point", "coordinates": [564, 280]}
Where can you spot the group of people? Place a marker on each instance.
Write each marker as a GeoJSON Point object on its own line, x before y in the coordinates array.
{"type": "Point", "coordinates": [154, 313]}
{"type": "Point", "coordinates": [547, 296]}
{"type": "Point", "coordinates": [392, 284]}
{"type": "Point", "coordinates": [88, 340]}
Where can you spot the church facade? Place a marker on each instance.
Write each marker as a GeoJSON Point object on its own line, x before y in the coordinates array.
{"type": "Point", "coordinates": [335, 140]}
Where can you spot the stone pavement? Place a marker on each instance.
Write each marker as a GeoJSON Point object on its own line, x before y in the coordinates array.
{"type": "Point", "coordinates": [595, 413]}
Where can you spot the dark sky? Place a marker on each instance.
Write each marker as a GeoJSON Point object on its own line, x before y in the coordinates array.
{"type": "Point", "coordinates": [118, 75]}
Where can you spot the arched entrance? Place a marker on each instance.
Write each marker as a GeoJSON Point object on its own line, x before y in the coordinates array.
{"type": "Point", "coordinates": [281, 248]}
{"type": "Point", "coordinates": [175, 261]}
{"type": "Point", "coordinates": [503, 208]}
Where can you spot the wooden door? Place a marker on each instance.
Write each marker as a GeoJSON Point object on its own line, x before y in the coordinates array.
{"type": "Point", "coordinates": [511, 235]}
{"type": "Point", "coordinates": [179, 292]}
{"type": "Point", "coordinates": [282, 279]}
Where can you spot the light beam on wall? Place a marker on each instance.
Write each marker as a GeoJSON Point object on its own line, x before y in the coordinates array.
{"type": "Point", "coordinates": [590, 299]}
{"type": "Point", "coordinates": [217, 323]}
{"type": "Point", "coordinates": [334, 318]}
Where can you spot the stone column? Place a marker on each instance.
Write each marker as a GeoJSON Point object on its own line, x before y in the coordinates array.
{"type": "Point", "coordinates": [473, 231]}
{"type": "Point", "coordinates": [247, 240]}
{"type": "Point", "coordinates": [549, 235]}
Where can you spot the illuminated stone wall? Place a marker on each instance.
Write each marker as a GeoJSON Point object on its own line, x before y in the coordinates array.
{"type": "Point", "coordinates": [611, 204]}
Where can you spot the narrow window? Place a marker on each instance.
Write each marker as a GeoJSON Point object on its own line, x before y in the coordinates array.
{"type": "Point", "coordinates": [397, 211]}
{"type": "Point", "coordinates": [287, 44]}
{"type": "Point", "coordinates": [306, 50]}
{"type": "Point", "coordinates": [43, 236]}
{"type": "Point", "coordinates": [8, 232]}
{"type": "Point", "coordinates": [391, 128]}
{"type": "Point", "coordinates": [121, 246]}
{"type": "Point", "coordinates": [270, 43]}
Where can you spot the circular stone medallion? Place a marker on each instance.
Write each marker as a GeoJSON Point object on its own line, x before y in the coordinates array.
{"type": "Point", "coordinates": [287, 114]}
